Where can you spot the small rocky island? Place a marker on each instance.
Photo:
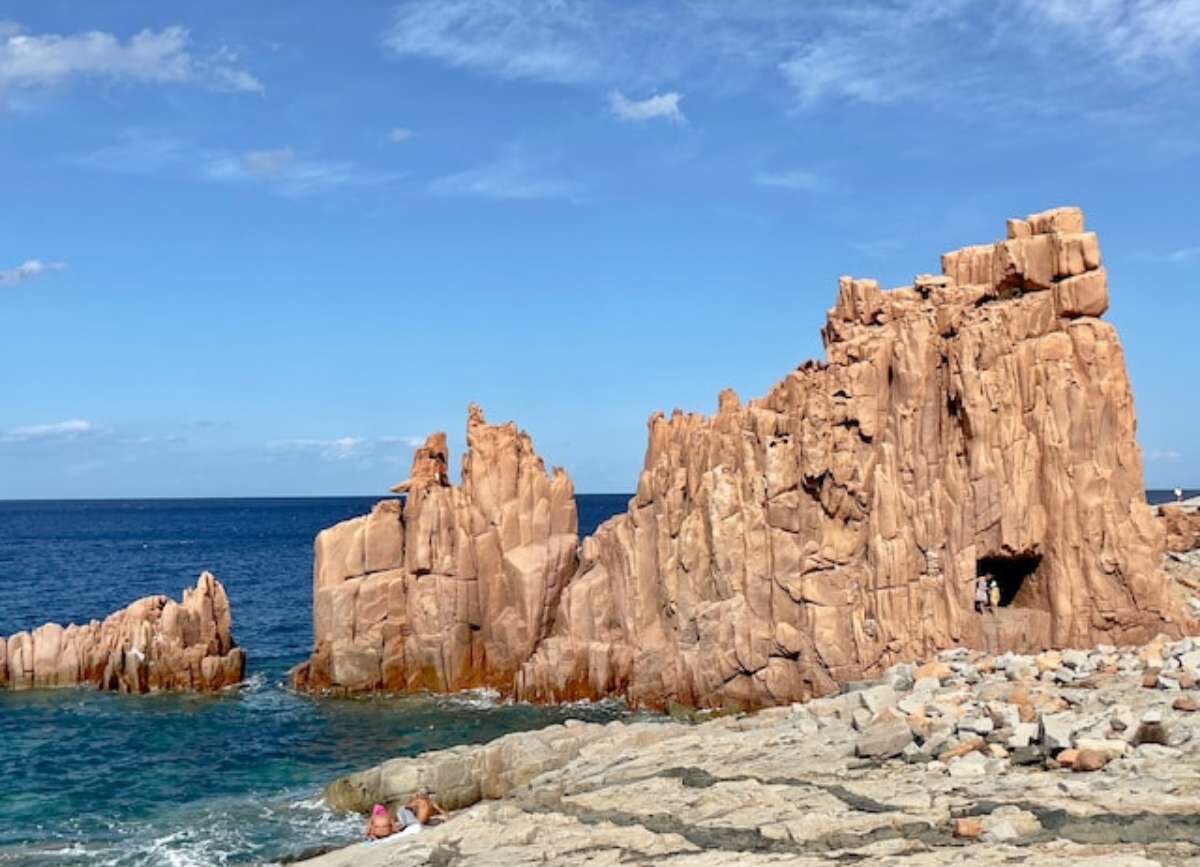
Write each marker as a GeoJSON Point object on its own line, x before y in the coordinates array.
{"type": "Point", "coordinates": [154, 644]}
{"type": "Point", "coordinates": [977, 423]}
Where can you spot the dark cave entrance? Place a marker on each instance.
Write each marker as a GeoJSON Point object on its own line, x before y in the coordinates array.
{"type": "Point", "coordinates": [1015, 576]}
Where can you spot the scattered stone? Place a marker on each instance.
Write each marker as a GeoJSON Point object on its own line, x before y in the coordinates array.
{"type": "Point", "coordinates": [1186, 704]}
{"type": "Point", "coordinates": [884, 738]}
{"type": "Point", "coordinates": [965, 748]}
{"type": "Point", "coordinates": [1088, 760]}
{"type": "Point", "coordinates": [1057, 731]}
{"type": "Point", "coordinates": [1066, 758]}
{"type": "Point", "coordinates": [968, 829]}
{"type": "Point", "coordinates": [933, 669]}
{"type": "Point", "coordinates": [971, 766]}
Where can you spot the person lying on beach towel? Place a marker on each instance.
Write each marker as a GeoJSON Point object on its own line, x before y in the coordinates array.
{"type": "Point", "coordinates": [380, 825]}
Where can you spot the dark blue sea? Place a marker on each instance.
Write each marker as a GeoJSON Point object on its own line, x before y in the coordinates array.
{"type": "Point", "coordinates": [96, 779]}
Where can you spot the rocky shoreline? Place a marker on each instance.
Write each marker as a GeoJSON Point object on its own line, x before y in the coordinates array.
{"type": "Point", "coordinates": [1074, 757]}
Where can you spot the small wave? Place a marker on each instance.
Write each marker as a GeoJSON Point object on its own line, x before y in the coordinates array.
{"type": "Point", "coordinates": [480, 699]}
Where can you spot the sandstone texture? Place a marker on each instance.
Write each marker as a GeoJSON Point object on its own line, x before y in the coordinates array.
{"type": "Point", "coordinates": [977, 422]}
{"type": "Point", "coordinates": [452, 588]}
{"type": "Point", "coordinates": [154, 644]}
{"type": "Point", "coordinates": [1080, 765]}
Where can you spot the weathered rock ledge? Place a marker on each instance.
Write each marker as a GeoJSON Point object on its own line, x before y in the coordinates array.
{"type": "Point", "coordinates": [979, 422]}
{"type": "Point", "coordinates": [1075, 757]}
{"type": "Point", "coordinates": [154, 644]}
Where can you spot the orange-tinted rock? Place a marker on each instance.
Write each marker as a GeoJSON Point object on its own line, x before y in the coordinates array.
{"type": "Point", "coordinates": [1182, 527]}
{"type": "Point", "coordinates": [1067, 758]}
{"type": "Point", "coordinates": [1185, 704]}
{"type": "Point", "coordinates": [965, 748]}
{"type": "Point", "coordinates": [980, 421]}
{"type": "Point", "coordinates": [453, 588]}
{"type": "Point", "coordinates": [154, 644]}
{"type": "Point", "coordinates": [968, 829]}
{"type": "Point", "coordinates": [1088, 760]}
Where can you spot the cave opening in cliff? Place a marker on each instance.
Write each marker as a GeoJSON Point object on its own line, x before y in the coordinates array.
{"type": "Point", "coordinates": [1015, 575]}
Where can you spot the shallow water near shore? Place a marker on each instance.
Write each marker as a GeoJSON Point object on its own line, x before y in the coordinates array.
{"type": "Point", "coordinates": [197, 780]}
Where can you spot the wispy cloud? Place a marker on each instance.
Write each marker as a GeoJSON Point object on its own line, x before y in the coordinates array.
{"type": "Point", "coordinates": [345, 448]}
{"type": "Point", "coordinates": [664, 105]}
{"type": "Point", "coordinates": [146, 57]}
{"type": "Point", "coordinates": [400, 134]}
{"type": "Point", "coordinates": [1164, 456]}
{"type": "Point", "coordinates": [277, 169]}
{"type": "Point", "coordinates": [1173, 257]}
{"type": "Point", "coordinates": [1146, 37]}
{"type": "Point", "coordinates": [797, 180]}
{"type": "Point", "coordinates": [507, 178]}
{"type": "Point", "coordinates": [548, 40]}
{"type": "Point", "coordinates": [30, 269]}
{"type": "Point", "coordinates": [71, 429]}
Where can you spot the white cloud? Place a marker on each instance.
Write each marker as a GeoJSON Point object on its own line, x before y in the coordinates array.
{"type": "Point", "coordinates": [1173, 257]}
{"type": "Point", "coordinates": [665, 105]}
{"type": "Point", "coordinates": [147, 57]}
{"type": "Point", "coordinates": [550, 40]}
{"type": "Point", "coordinates": [1164, 456]}
{"type": "Point", "coordinates": [30, 269]}
{"type": "Point", "coordinates": [797, 180]}
{"type": "Point", "coordinates": [278, 169]}
{"type": "Point", "coordinates": [64, 430]}
{"type": "Point", "coordinates": [345, 448]}
{"type": "Point", "coordinates": [508, 178]}
{"type": "Point", "coordinates": [400, 134]}
{"type": "Point", "coordinates": [1154, 37]}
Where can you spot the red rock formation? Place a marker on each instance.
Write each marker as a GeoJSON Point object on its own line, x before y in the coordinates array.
{"type": "Point", "coordinates": [154, 644]}
{"type": "Point", "coordinates": [1182, 526]}
{"type": "Point", "coordinates": [453, 588]}
{"type": "Point", "coordinates": [976, 422]}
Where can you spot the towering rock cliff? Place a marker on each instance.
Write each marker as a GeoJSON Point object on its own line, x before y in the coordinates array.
{"type": "Point", "coordinates": [454, 587]}
{"type": "Point", "coordinates": [154, 644]}
{"type": "Point", "coordinates": [979, 422]}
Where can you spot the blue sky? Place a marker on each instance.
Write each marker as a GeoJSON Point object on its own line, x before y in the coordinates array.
{"type": "Point", "coordinates": [263, 248]}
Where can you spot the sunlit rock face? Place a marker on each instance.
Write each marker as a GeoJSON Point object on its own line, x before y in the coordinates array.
{"type": "Point", "coordinates": [977, 422]}
{"type": "Point", "coordinates": [452, 588]}
{"type": "Point", "coordinates": [154, 644]}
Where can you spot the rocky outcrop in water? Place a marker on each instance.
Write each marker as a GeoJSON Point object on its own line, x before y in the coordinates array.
{"type": "Point", "coordinates": [154, 644]}
{"type": "Point", "coordinates": [976, 423]}
{"type": "Point", "coordinates": [452, 588]}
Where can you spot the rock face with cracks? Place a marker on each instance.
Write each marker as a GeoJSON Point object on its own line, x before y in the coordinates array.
{"type": "Point", "coordinates": [453, 588]}
{"type": "Point", "coordinates": [978, 422]}
{"type": "Point", "coordinates": [154, 644]}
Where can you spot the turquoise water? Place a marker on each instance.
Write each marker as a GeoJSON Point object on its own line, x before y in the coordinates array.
{"type": "Point", "coordinates": [101, 779]}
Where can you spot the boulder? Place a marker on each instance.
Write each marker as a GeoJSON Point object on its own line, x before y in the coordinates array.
{"type": "Point", "coordinates": [884, 738]}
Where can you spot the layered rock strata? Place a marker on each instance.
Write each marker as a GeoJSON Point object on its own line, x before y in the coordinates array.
{"type": "Point", "coordinates": [976, 423]}
{"type": "Point", "coordinates": [154, 644]}
{"type": "Point", "coordinates": [452, 588]}
{"type": "Point", "coordinates": [1080, 757]}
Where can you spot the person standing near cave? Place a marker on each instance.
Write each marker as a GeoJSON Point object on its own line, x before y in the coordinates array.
{"type": "Point", "coordinates": [994, 595]}
{"type": "Point", "coordinates": [981, 594]}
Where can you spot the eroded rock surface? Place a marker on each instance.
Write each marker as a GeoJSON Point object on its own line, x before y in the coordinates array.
{"type": "Point", "coordinates": [1079, 763]}
{"type": "Point", "coordinates": [154, 644]}
{"type": "Point", "coordinates": [453, 587]}
{"type": "Point", "coordinates": [979, 422]}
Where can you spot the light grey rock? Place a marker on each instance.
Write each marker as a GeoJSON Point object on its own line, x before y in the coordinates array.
{"type": "Point", "coordinates": [885, 738]}
{"type": "Point", "coordinates": [1165, 682]}
{"type": "Point", "coordinates": [971, 766]}
{"type": "Point", "coordinates": [1057, 731]}
{"type": "Point", "coordinates": [861, 719]}
{"type": "Point", "coordinates": [1064, 675]}
{"type": "Point", "coordinates": [1153, 717]}
{"type": "Point", "coordinates": [980, 725]}
{"type": "Point", "coordinates": [900, 677]}
{"type": "Point", "coordinates": [877, 698]}
{"type": "Point", "coordinates": [927, 685]}
{"type": "Point", "coordinates": [1023, 734]}
{"type": "Point", "coordinates": [1009, 823]}
{"type": "Point", "coordinates": [1075, 659]}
